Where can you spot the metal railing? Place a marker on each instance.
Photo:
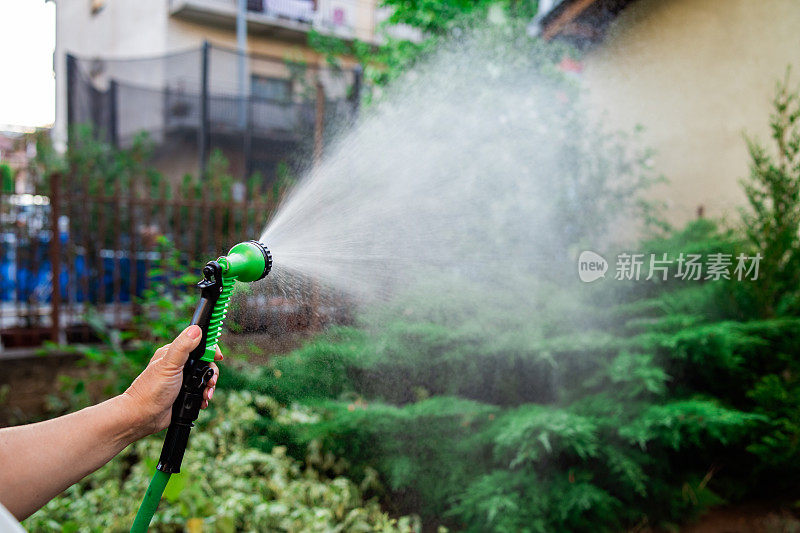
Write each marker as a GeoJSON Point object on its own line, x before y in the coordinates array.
{"type": "Point", "coordinates": [299, 10]}
{"type": "Point", "coordinates": [191, 97]}
{"type": "Point", "coordinates": [265, 116]}
{"type": "Point", "coordinates": [84, 247]}
{"type": "Point", "coordinates": [294, 15]}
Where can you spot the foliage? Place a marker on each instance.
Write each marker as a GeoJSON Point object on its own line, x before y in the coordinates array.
{"type": "Point", "coordinates": [773, 194]}
{"type": "Point", "coordinates": [433, 17]}
{"type": "Point", "coordinates": [102, 168]}
{"type": "Point", "coordinates": [431, 22]}
{"type": "Point", "coordinates": [6, 178]}
{"type": "Point", "coordinates": [534, 408]}
{"type": "Point", "coordinates": [164, 310]}
{"type": "Point", "coordinates": [224, 485]}
{"type": "Point", "coordinates": [167, 302]}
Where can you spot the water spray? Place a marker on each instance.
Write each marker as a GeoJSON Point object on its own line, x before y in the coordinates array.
{"type": "Point", "coordinates": [247, 262]}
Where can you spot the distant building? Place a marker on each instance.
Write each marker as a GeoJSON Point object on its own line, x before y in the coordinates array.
{"type": "Point", "coordinates": [697, 74]}
{"type": "Point", "coordinates": [170, 68]}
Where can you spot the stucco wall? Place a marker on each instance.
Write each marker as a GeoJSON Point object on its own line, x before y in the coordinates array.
{"type": "Point", "coordinates": [697, 74]}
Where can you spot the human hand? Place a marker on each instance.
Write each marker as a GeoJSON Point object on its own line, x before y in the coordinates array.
{"type": "Point", "coordinates": [152, 393]}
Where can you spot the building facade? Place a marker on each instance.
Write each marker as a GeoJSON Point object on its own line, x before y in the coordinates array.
{"type": "Point", "coordinates": [171, 68]}
{"type": "Point", "coordinates": [696, 74]}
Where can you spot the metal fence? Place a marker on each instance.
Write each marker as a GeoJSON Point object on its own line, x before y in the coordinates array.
{"type": "Point", "coordinates": [90, 241]}
{"type": "Point", "coordinates": [191, 102]}
{"type": "Point", "coordinates": [83, 248]}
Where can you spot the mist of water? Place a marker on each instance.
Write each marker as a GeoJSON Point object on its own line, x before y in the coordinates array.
{"type": "Point", "coordinates": [476, 164]}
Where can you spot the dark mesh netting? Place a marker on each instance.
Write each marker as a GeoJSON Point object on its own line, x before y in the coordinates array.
{"type": "Point", "coordinates": [194, 102]}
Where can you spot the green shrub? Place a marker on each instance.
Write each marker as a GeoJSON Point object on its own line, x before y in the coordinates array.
{"type": "Point", "coordinates": [534, 408]}
{"type": "Point", "coordinates": [224, 484]}
{"type": "Point", "coordinates": [773, 194]}
{"type": "Point", "coordinates": [6, 179]}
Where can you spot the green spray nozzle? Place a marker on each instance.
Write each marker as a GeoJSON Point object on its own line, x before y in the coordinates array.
{"type": "Point", "coordinates": [247, 261]}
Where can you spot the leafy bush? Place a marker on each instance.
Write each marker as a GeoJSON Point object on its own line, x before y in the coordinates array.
{"type": "Point", "coordinates": [224, 485]}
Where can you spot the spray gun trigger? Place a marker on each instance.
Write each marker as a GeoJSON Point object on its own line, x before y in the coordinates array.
{"type": "Point", "coordinates": [197, 381]}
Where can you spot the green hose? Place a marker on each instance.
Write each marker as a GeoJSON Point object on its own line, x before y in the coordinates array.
{"type": "Point", "coordinates": [150, 502]}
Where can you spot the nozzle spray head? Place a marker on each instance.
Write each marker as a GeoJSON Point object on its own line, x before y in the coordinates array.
{"type": "Point", "coordinates": [247, 261]}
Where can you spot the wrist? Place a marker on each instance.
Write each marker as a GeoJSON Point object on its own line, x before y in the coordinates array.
{"type": "Point", "coordinates": [129, 422]}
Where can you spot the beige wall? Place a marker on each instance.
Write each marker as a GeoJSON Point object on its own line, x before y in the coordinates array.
{"type": "Point", "coordinates": [183, 35]}
{"type": "Point", "coordinates": [697, 74]}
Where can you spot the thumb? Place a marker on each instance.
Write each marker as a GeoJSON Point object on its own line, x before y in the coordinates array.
{"type": "Point", "coordinates": [178, 351]}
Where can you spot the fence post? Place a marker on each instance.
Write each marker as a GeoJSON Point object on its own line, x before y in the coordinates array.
{"type": "Point", "coordinates": [248, 141]}
{"type": "Point", "coordinates": [72, 82]}
{"type": "Point", "coordinates": [358, 76]}
{"type": "Point", "coordinates": [319, 122]}
{"type": "Point", "coordinates": [112, 113]}
{"type": "Point", "coordinates": [319, 130]}
{"type": "Point", "coordinates": [132, 248]}
{"type": "Point", "coordinates": [202, 130]}
{"type": "Point", "coordinates": [55, 255]}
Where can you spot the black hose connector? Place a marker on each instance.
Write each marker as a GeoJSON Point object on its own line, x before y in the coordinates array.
{"type": "Point", "coordinates": [196, 374]}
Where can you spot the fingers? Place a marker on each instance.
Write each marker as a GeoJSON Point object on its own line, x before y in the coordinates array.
{"type": "Point", "coordinates": [218, 355]}
{"type": "Point", "coordinates": [212, 385]}
{"type": "Point", "coordinates": [207, 395]}
{"type": "Point", "coordinates": [213, 381]}
{"type": "Point", "coordinates": [178, 351]}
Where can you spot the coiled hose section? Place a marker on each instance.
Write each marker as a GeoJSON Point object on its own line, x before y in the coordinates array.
{"type": "Point", "coordinates": [156, 487]}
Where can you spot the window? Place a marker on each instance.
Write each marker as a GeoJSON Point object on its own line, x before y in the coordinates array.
{"type": "Point", "coordinates": [275, 89]}
{"type": "Point", "coordinates": [255, 5]}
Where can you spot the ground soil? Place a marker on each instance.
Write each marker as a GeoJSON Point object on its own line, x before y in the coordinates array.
{"type": "Point", "coordinates": [746, 518]}
{"type": "Point", "coordinates": [27, 380]}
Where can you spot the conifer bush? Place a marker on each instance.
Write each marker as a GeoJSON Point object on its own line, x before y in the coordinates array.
{"type": "Point", "coordinates": [603, 409]}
